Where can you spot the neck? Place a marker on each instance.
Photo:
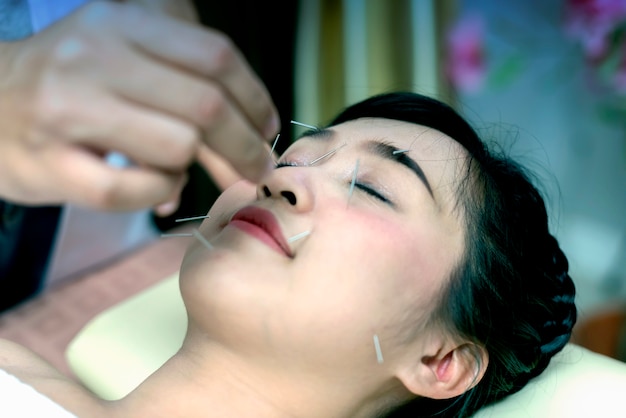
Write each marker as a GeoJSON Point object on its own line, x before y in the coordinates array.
{"type": "Point", "coordinates": [187, 387]}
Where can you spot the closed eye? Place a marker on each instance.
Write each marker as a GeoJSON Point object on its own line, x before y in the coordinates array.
{"type": "Point", "coordinates": [281, 164]}
{"type": "Point", "coordinates": [371, 192]}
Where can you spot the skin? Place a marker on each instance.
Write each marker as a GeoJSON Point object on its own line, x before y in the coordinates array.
{"type": "Point", "coordinates": [422, 233]}
{"type": "Point", "coordinates": [281, 335]}
{"type": "Point", "coordinates": [85, 86]}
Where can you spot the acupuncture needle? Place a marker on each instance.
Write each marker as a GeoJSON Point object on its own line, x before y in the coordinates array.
{"type": "Point", "coordinates": [274, 145]}
{"type": "Point", "coordinates": [353, 182]}
{"type": "Point", "coordinates": [176, 235]}
{"type": "Point", "coordinates": [201, 238]}
{"type": "Point", "coordinates": [298, 236]}
{"type": "Point", "coordinates": [305, 125]}
{"type": "Point", "coordinates": [192, 218]}
{"type": "Point", "coordinates": [379, 352]}
{"type": "Point", "coordinates": [328, 154]}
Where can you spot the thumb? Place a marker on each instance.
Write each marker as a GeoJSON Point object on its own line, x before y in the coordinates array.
{"type": "Point", "coordinates": [170, 206]}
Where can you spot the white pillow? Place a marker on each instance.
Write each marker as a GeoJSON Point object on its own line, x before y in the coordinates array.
{"type": "Point", "coordinates": [577, 383]}
{"type": "Point", "coordinates": [120, 347]}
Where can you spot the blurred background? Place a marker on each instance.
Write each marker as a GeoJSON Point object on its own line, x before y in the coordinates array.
{"type": "Point", "coordinates": [545, 79]}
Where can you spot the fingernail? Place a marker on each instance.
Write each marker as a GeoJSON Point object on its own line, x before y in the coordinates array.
{"type": "Point", "coordinates": [166, 209]}
{"type": "Point", "coordinates": [271, 127]}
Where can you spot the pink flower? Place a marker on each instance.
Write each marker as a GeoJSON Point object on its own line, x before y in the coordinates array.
{"type": "Point", "coordinates": [591, 22]}
{"type": "Point", "coordinates": [464, 64]}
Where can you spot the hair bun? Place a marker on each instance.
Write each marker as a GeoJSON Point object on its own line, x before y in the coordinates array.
{"type": "Point", "coordinates": [556, 332]}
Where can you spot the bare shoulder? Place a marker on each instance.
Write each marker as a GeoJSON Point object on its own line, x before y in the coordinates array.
{"type": "Point", "coordinates": [33, 370]}
{"type": "Point", "coordinates": [14, 357]}
{"type": "Point", "coordinates": [23, 363]}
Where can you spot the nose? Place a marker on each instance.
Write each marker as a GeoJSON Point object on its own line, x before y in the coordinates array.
{"type": "Point", "coordinates": [291, 185]}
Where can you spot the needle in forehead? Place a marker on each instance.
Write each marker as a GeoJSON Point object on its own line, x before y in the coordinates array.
{"type": "Point", "coordinates": [328, 154]}
{"type": "Point", "coordinates": [274, 144]}
{"type": "Point", "coordinates": [305, 125]}
{"type": "Point", "coordinates": [353, 182]}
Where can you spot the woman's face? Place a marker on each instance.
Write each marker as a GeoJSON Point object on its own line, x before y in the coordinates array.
{"type": "Point", "coordinates": [379, 239]}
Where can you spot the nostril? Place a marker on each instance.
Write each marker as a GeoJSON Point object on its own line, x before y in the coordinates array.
{"type": "Point", "coordinates": [290, 196]}
{"type": "Point", "coordinates": [266, 191]}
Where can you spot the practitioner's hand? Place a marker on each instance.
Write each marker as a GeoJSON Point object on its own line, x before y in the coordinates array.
{"type": "Point", "coordinates": [119, 77]}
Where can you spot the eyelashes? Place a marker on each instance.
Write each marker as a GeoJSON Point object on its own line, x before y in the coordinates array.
{"type": "Point", "coordinates": [282, 164]}
{"type": "Point", "coordinates": [370, 191]}
{"type": "Point", "coordinates": [367, 189]}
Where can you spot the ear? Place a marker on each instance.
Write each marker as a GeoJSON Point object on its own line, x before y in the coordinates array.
{"type": "Point", "coordinates": [447, 373]}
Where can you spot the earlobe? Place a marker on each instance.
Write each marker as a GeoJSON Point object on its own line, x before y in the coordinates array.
{"type": "Point", "coordinates": [447, 373]}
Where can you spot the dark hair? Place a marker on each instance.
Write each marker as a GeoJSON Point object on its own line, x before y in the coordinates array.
{"type": "Point", "coordinates": [511, 293]}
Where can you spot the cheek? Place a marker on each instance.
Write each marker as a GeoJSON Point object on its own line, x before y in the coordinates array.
{"type": "Point", "coordinates": [394, 250]}
{"type": "Point", "coordinates": [389, 267]}
{"type": "Point", "coordinates": [198, 260]}
{"type": "Point", "coordinates": [374, 259]}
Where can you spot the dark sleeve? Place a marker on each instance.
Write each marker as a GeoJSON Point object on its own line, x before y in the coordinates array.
{"type": "Point", "coordinates": [26, 238]}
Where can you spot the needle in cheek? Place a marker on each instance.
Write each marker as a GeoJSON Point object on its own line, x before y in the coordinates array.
{"type": "Point", "coordinates": [192, 218]}
{"type": "Point", "coordinates": [176, 235]}
{"type": "Point", "coordinates": [298, 236]}
{"type": "Point", "coordinates": [184, 234]}
{"type": "Point", "coordinates": [203, 240]}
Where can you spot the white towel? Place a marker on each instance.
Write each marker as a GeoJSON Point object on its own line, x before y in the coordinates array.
{"type": "Point", "coordinates": [19, 400]}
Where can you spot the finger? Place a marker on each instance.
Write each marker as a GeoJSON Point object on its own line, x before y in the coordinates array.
{"type": "Point", "coordinates": [182, 9]}
{"type": "Point", "coordinates": [221, 172]}
{"type": "Point", "coordinates": [199, 50]}
{"type": "Point", "coordinates": [224, 128]}
{"type": "Point", "coordinates": [90, 182]}
{"type": "Point", "coordinates": [169, 207]}
{"type": "Point", "coordinates": [108, 123]}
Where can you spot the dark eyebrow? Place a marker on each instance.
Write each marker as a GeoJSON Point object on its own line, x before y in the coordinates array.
{"type": "Point", "coordinates": [392, 153]}
{"type": "Point", "coordinates": [320, 133]}
{"type": "Point", "coordinates": [381, 149]}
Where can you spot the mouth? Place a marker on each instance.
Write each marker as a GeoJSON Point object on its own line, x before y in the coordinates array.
{"type": "Point", "coordinates": [262, 225]}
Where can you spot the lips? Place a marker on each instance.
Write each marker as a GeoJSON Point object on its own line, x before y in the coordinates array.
{"type": "Point", "coordinates": [261, 224]}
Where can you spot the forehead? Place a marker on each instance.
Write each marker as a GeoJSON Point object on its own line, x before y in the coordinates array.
{"type": "Point", "coordinates": [440, 157]}
{"type": "Point", "coordinates": [404, 135]}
